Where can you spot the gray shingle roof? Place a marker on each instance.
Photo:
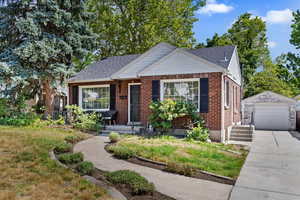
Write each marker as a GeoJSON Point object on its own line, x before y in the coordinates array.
{"type": "Point", "coordinates": [215, 55]}
{"type": "Point", "coordinates": [104, 68]}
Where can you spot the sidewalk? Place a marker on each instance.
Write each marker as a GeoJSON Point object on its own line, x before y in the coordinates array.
{"type": "Point", "coordinates": [176, 186]}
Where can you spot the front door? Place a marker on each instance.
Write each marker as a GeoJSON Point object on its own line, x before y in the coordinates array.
{"type": "Point", "coordinates": [134, 103]}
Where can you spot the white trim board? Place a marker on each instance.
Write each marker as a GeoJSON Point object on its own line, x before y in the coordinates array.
{"type": "Point", "coordinates": [90, 86]}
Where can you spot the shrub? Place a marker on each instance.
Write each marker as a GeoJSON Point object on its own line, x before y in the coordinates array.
{"type": "Point", "coordinates": [19, 119]}
{"type": "Point", "coordinates": [71, 158]}
{"type": "Point", "coordinates": [198, 133]}
{"type": "Point", "coordinates": [137, 183]}
{"type": "Point", "coordinates": [183, 169]}
{"type": "Point", "coordinates": [62, 148]}
{"type": "Point", "coordinates": [122, 152]}
{"type": "Point", "coordinates": [114, 137]}
{"type": "Point", "coordinates": [84, 121]}
{"type": "Point", "coordinates": [85, 167]}
{"type": "Point", "coordinates": [163, 113]}
{"type": "Point", "coordinates": [73, 139]}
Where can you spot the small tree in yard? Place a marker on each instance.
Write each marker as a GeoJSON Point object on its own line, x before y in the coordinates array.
{"type": "Point", "coordinates": [38, 40]}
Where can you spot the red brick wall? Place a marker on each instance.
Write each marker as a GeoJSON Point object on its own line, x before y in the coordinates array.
{"type": "Point", "coordinates": [232, 113]}
{"type": "Point", "coordinates": [212, 118]}
{"type": "Point", "coordinates": [121, 91]}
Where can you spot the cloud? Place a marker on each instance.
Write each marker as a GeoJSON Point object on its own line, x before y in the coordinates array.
{"type": "Point", "coordinates": [272, 44]}
{"type": "Point", "coordinates": [212, 6]}
{"type": "Point", "coordinates": [279, 16]}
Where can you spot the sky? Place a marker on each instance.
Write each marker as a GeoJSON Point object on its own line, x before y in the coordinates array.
{"type": "Point", "coordinates": [218, 15]}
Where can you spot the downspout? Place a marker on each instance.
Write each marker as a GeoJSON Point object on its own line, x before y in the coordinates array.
{"type": "Point", "coordinates": [222, 110]}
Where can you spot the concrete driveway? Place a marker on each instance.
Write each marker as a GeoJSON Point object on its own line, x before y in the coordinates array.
{"type": "Point", "coordinates": [272, 168]}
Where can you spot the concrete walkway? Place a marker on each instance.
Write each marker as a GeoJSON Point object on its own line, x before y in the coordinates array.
{"type": "Point", "coordinates": [272, 168]}
{"type": "Point", "coordinates": [176, 186]}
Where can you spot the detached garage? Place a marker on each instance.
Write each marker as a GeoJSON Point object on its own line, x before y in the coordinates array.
{"type": "Point", "coordinates": [270, 111]}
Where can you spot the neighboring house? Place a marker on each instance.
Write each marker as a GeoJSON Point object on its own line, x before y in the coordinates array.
{"type": "Point", "coordinates": [269, 111]}
{"type": "Point", "coordinates": [210, 78]}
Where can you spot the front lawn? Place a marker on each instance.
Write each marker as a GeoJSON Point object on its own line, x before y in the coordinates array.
{"type": "Point", "coordinates": [27, 172]}
{"type": "Point", "coordinates": [225, 160]}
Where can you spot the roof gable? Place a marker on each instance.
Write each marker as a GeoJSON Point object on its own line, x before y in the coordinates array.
{"type": "Point", "coordinates": [180, 61]}
{"type": "Point", "coordinates": [269, 97]}
{"type": "Point", "coordinates": [154, 54]}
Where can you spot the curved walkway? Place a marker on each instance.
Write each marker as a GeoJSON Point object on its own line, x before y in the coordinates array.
{"type": "Point", "coordinates": [176, 186]}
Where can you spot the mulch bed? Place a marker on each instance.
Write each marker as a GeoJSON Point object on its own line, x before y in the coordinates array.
{"type": "Point", "coordinates": [196, 174]}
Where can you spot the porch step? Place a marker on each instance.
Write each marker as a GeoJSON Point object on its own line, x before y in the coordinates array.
{"type": "Point", "coordinates": [107, 132]}
{"type": "Point", "coordinates": [239, 138]}
{"type": "Point", "coordinates": [241, 133]}
{"type": "Point", "coordinates": [122, 129]}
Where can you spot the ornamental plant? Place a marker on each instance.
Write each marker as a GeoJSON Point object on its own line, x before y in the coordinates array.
{"type": "Point", "coordinates": [164, 112]}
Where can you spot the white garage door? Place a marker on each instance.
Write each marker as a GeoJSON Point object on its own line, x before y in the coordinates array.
{"type": "Point", "coordinates": [271, 116]}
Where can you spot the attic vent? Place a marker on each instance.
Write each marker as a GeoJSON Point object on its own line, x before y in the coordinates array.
{"type": "Point", "coordinates": [225, 58]}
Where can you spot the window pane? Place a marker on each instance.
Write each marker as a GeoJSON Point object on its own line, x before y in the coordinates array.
{"type": "Point", "coordinates": [95, 98]}
{"type": "Point", "coordinates": [182, 91]}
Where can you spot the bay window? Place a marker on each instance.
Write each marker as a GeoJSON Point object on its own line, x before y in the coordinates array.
{"type": "Point", "coordinates": [184, 90]}
{"type": "Point", "coordinates": [94, 97]}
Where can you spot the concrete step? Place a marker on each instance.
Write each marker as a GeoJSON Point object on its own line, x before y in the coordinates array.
{"type": "Point", "coordinates": [240, 131]}
{"type": "Point", "coordinates": [241, 135]}
{"type": "Point", "coordinates": [238, 138]}
{"type": "Point", "coordinates": [241, 128]}
{"type": "Point", "coordinates": [123, 128]}
{"type": "Point", "coordinates": [107, 132]}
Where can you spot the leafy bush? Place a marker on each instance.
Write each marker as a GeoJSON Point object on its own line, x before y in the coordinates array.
{"type": "Point", "coordinates": [183, 169]}
{"type": "Point", "coordinates": [73, 139]}
{"type": "Point", "coordinates": [122, 152]}
{"type": "Point", "coordinates": [19, 119]}
{"type": "Point", "coordinates": [62, 148]}
{"type": "Point", "coordinates": [138, 184]}
{"type": "Point", "coordinates": [71, 158]}
{"type": "Point", "coordinates": [198, 133]}
{"type": "Point", "coordinates": [84, 121]}
{"type": "Point", "coordinates": [85, 167]}
{"type": "Point", "coordinates": [164, 112]}
{"type": "Point", "coordinates": [114, 137]}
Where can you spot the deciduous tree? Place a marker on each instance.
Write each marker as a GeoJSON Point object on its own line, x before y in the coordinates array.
{"type": "Point", "coordinates": [133, 26]}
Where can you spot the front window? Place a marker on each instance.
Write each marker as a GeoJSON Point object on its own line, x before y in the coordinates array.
{"type": "Point", "coordinates": [227, 93]}
{"type": "Point", "coordinates": [95, 98]}
{"type": "Point", "coordinates": [181, 90]}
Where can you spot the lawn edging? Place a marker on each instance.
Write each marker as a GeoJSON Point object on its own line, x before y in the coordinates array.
{"type": "Point", "coordinates": [161, 166]}
{"type": "Point", "coordinates": [113, 192]}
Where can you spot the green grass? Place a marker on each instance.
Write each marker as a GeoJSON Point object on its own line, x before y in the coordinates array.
{"type": "Point", "coordinates": [27, 172]}
{"type": "Point", "coordinates": [211, 157]}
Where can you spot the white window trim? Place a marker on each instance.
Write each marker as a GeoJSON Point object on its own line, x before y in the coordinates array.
{"type": "Point", "coordinates": [91, 86]}
{"type": "Point", "coordinates": [180, 80]}
{"type": "Point", "coordinates": [128, 104]}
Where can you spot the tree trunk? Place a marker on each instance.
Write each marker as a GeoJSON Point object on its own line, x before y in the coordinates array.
{"type": "Point", "coordinates": [49, 97]}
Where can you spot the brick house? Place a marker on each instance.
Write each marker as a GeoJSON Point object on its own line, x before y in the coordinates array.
{"type": "Point", "coordinates": [208, 77]}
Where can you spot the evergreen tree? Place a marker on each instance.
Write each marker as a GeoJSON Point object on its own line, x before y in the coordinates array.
{"type": "Point", "coordinates": [133, 26]}
{"type": "Point", "coordinates": [38, 39]}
